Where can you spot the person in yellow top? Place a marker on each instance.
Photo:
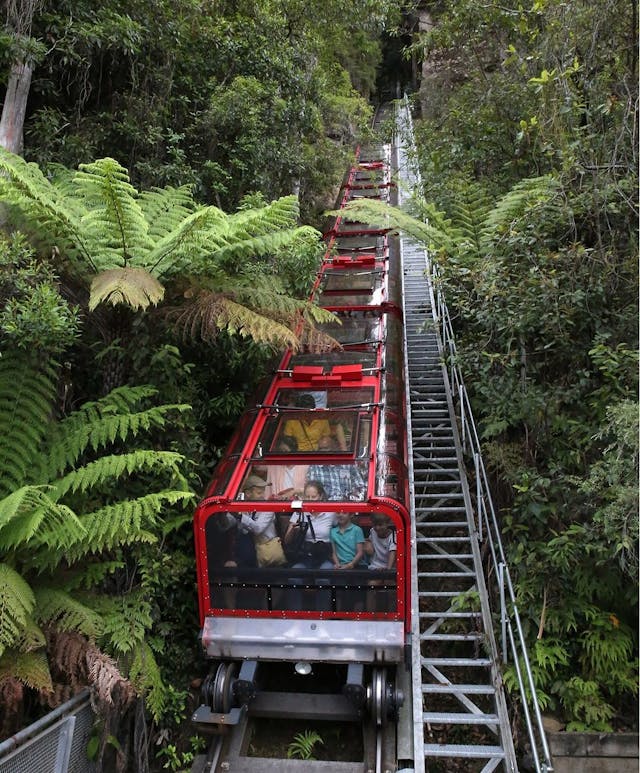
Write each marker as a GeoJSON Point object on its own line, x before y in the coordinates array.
{"type": "Point", "coordinates": [308, 429]}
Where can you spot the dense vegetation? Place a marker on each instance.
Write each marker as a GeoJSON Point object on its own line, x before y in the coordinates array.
{"type": "Point", "coordinates": [154, 259]}
{"type": "Point", "coordinates": [546, 313]}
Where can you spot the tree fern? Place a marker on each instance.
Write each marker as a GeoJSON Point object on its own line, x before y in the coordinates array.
{"type": "Point", "coordinates": [26, 394]}
{"type": "Point", "coordinates": [30, 668]}
{"type": "Point", "coordinates": [521, 199]}
{"type": "Point", "coordinates": [55, 607]}
{"type": "Point", "coordinates": [47, 515]}
{"type": "Point", "coordinates": [97, 426]}
{"type": "Point", "coordinates": [17, 602]}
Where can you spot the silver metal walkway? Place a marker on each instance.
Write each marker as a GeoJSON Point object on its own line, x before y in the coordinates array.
{"type": "Point", "coordinates": [460, 716]}
{"type": "Point", "coordinates": [464, 713]}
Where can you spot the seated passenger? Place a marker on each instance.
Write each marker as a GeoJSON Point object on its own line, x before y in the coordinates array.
{"type": "Point", "coordinates": [309, 428]}
{"type": "Point", "coordinates": [308, 536]}
{"type": "Point", "coordinates": [286, 481]}
{"type": "Point", "coordinates": [381, 547]}
{"type": "Point", "coordinates": [261, 527]}
{"type": "Point", "coordinates": [340, 481]}
{"type": "Point", "coordinates": [347, 542]}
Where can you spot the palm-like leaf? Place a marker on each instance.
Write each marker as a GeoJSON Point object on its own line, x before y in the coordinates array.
{"type": "Point", "coordinates": [132, 287]}
{"type": "Point", "coordinates": [17, 602]}
{"type": "Point", "coordinates": [114, 218]}
{"type": "Point", "coordinates": [62, 467]}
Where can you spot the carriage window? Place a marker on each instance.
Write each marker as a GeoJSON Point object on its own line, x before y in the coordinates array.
{"type": "Point", "coordinates": [348, 280]}
{"type": "Point", "coordinates": [353, 330]}
{"type": "Point", "coordinates": [245, 576]}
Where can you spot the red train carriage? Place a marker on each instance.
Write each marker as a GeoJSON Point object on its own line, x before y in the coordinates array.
{"type": "Point", "coordinates": [303, 538]}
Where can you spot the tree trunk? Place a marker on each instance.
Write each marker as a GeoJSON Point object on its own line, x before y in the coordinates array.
{"type": "Point", "coordinates": [15, 107]}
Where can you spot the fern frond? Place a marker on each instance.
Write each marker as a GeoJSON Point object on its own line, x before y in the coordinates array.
{"type": "Point", "coordinates": [211, 312]}
{"type": "Point", "coordinates": [192, 238]}
{"type": "Point", "coordinates": [114, 217]}
{"type": "Point", "coordinates": [110, 687]}
{"type": "Point", "coordinates": [31, 638]}
{"type": "Point", "coordinates": [521, 199]}
{"type": "Point", "coordinates": [384, 216]}
{"type": "Point", "coordinates": [111, 468]}
{"type": "Point", "coordinates": [165, 208]}
{"type": "Point", "coordinates": [132, 287]}
{"type": "Point", "coordinates": [126, 622]}
{"type": "Point", "coordinates": [91, 574]}
{"type": "Point", "coordinates": [57, 608]}
{"type": "Point", "coordinates": [17, 602]}
{"type": "Point", "coordinates": [237, 251]}
{"type": "Point", "coordinates": [27, 392]}
{"type": "Point", "coordinates": [29, 514]}
{"type": "Point", "coordinates": [124, 523]}
{"type": "Point", "coordinates": [30, 668]}
{"type": "Point", "coordinates": [468, 214]}
{"type": "Point", "coordinates": [101, 428]}
{"type": "Point", "coordinates": [145, 675]}
{"type": "Point", "coordinates": [47, 210]}
{"type": "Point", "coordinates": [282, 213]}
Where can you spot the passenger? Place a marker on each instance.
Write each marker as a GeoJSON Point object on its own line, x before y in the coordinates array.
{"type": "Point", "coordinates": [347, 542]}
{"type": "Point", "coordinates": [286, 481]}
{"type": "Point", "coordinates": [312, 531]}
{"type": "Point", "coordinates": [253, 528]}
{"type": "Point", "coordinates": [382, 549]}
{"type": "Point", "coordinates": [340, 481]}
{"type": "Point", "coordinates": [310, 534]}
{"type": "Point", "coordinates": [309, 428]}
{"type": "Point", "coordinates": [261, 526]}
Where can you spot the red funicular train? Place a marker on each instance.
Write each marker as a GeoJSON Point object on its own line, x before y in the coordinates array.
{"type": "Point", "coordinates": [303, 538]}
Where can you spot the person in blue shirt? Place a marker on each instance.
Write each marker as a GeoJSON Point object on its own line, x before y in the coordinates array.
{"type": "Point", "coordinates": [347, 542]}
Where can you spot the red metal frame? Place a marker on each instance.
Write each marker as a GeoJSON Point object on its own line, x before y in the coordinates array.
{"type": "Point", "coordinates": [315, 378]}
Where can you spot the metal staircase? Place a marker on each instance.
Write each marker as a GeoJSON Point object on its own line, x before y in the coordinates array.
{"type": "Point", "coordinates": [460, 716]}
{"type": "Point", "coordinates": [464, 713]}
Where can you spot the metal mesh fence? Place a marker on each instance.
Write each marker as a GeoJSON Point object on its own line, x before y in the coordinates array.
{"type": "Point", "coordinates": [60, 747]}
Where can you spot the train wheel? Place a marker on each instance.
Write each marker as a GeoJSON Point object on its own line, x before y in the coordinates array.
{"type": "Point", "coordinates": [217, 688]}
{"type": "Point", "coordinates": [383, 699]}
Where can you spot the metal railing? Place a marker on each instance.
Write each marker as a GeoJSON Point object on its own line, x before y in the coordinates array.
{"type": "Point", "coordinates": [512, 637]}
{"type": "Point", "coordinates": [56, 743]}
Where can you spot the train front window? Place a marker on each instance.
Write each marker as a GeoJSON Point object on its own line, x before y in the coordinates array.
{"type": "Point", "coordinates": [296, 426]}
{"type": "Point", "coordinates": [250, 571]}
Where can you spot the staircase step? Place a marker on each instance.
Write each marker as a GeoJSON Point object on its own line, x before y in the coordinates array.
{"type": "Point", "coordinates": [457, 662]}
{"type": "Point", "coordinates": [451, 689]}
{"type": "Point", "coordinates": [445, 718]}
{"type": "Point", "coordinates": [461, 751]}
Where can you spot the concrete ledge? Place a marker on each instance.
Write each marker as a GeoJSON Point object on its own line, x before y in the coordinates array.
{"type": "Point", "coordinates": [594, 752]}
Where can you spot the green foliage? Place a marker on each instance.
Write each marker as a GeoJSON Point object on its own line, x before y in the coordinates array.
{"type": "Point", "coordinates": [303, 745]}
{"type": "Point", "coordinates": [101, 224]}
{"type": "Point", "coordinates": [33, 315]}
{"type": "Point", "coordinates": [65, 499]}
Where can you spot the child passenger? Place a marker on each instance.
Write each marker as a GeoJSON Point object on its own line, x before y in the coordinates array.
{"type": "Point", "coordinates": [347, 542]}
{"type": "Point", "coordinates": [381, 547]}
